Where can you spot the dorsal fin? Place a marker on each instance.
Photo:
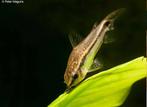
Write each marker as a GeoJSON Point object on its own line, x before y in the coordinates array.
{"type": "Point", "coordinates": [74, 38]}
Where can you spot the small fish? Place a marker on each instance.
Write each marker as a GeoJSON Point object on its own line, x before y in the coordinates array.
{"type": "Point", "coordinates": [82, 57]}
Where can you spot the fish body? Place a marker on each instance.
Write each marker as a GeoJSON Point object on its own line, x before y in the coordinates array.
{"type": "Point", "coordinates": [82, 55]}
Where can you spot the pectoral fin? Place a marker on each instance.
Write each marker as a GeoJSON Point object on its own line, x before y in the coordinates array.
{"type": "Point", "coordinates": [95, 66]}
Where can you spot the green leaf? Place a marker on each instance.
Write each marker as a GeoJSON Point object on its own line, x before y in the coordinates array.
{"type": "Point", "coordinates": [109, 88]}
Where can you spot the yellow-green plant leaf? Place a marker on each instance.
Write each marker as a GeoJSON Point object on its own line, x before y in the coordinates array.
{"type": "Point", "coordinates": [105, 89]}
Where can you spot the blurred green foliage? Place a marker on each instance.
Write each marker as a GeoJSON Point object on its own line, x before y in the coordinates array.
{"type": "Point", "coordinates": [106, 89]}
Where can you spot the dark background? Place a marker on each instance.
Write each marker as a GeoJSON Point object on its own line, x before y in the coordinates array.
{"type": "Point", "coordinates": [34, 46]}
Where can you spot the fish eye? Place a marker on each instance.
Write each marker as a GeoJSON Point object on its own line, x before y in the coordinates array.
{"type": "Point", "coordinates": [75, 76]}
